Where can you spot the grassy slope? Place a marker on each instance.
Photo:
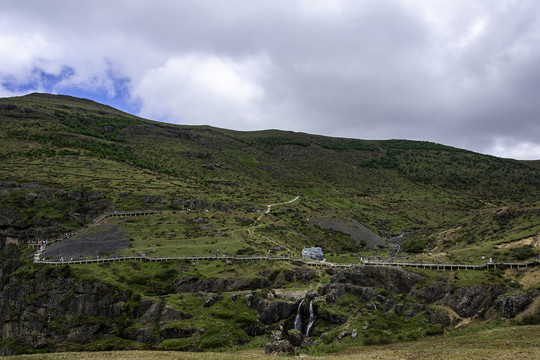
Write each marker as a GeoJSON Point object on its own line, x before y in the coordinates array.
{"type": "Point", "coordinates": [500, 343]}
{"type": "Point", "coordinates": [457, 204]}
{"type": "Point", "coordinates": [389, 186]}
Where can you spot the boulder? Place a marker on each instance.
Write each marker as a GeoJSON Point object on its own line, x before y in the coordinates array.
{"type": "Point", "coordinates": [513, 304]}
{"type": "Point", "coordinates": [271, 312]}
{"type": "Point", "coordinates": [295, 337]}
{"type": "Point", "coordinates": [278, 347]}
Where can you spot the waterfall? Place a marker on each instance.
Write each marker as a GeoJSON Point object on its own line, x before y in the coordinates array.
{"type": "Point", "coordinates": [298, 318]}
{"type": "Point", "coordinates": [311, 318]}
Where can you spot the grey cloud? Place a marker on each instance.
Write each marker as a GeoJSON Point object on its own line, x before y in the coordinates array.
{"type": "Point", "coordinates": [365, 69]}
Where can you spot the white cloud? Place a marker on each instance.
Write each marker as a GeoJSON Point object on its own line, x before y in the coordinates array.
{"type": "Point", "coordinates": [204, 89]}
{"type": "Point", "coordinates": [455, 72]}
{"type": "Point", "coordinates": [513, 149]}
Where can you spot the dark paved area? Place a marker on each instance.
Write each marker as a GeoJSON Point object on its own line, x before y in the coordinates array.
{"type": "Point", "coordinates": [99, 240]}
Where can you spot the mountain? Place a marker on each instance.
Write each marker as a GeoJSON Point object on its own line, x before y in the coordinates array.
{"type": "Point", "coordinates": [66, 161]}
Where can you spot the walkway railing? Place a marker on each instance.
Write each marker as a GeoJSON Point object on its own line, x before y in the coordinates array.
{"type": "Point", "coordinates": [305, 261]}
{"type": "Point", "coordinates": [434, 266]}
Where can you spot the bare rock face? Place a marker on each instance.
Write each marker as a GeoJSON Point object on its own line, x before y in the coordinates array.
{"type": "Point", "coordinates": [390, 278]}
{"type": "Point", "coordinates": [514, 304]}
{"type": "Point", "coordinates": [437, 317]}
{"type": "Point", "coordinates": [351, 227]}
{"type": "Point", "coordinates": [271, 312]}
{"type": "Point", "coordinates": [434, 292]}
{"type": "Point", "coordinates": [470, 301]}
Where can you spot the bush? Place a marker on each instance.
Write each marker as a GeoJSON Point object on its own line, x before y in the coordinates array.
{"type": "Point", "coordinates": [524, 252]}
{"type": "Point", "coordinates": [533, 319]}
{"type": "Point", "coordinates": [175, 344]}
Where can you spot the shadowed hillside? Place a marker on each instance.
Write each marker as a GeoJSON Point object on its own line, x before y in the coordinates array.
{"type": "Point", "coordinates": [65, 162]}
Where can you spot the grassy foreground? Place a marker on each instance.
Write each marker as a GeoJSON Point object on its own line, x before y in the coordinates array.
{"type": "Point", "coordinates": [521, 342]}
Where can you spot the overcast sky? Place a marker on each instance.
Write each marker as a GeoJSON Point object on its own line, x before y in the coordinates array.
{"type": "Point", "coordinates": [461, 73]}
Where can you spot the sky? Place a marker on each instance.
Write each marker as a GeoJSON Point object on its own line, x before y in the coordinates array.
{"type": "Point", "coordinates": [464, 73]}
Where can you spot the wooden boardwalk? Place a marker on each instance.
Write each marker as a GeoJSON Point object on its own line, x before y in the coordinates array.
{"type": "Point", "coordinates": [305, 261]}
{"type": "Point", "coordinates": [442, 267]}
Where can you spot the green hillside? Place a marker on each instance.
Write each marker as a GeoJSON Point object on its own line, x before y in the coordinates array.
{"type": "Point", "coordinates": [392, 187]}
{"type": "Point", "coordinates": [65, 162]}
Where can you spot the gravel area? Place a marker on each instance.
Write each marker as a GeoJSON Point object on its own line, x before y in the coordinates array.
{"type": "Point", "coordinates": [99, 240]}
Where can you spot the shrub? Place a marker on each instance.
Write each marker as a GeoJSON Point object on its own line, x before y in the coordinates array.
{"type": "Point", "coordinates": [175, 344]}
{"type": "Point", "coordinates": [524, 252]}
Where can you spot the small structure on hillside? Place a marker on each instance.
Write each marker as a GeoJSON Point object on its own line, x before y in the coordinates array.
{"type": "Point", "coordinates": [314, 253]}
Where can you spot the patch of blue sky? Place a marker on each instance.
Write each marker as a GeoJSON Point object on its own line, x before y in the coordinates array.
{"type": "Point", "coordinates": [37, 80]}
{"type": "Point", "coordinates": [113, 91]}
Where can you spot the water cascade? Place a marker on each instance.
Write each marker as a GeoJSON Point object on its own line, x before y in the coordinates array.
{"type": "Point", "coordinates": [298, 318]}
{"type": "Point", "coordinates": [312, 318]}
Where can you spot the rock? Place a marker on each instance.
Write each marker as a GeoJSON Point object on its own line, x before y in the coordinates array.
{"type": "Point", "coordinates": [30, 196]}
{"type": "Point", "coordinates": [276, 335]}
{"type": "Point", "coordinates": [513, 304]}
{"type": "Point", "coordinates": [209, 302]}
{"type": "Point", "coordinates": [433, 293]}
{"type": "Point", "coordinates": [170, 314]}
{"type": "Point", "coordinates": [176, 333]}
{"type": "Point", "coordinates": [389, 304]}
{"type": "Point", "coordinates": [109, 128]}
{"type": "Point", "coordinates": [295, 337]}
{"type": "Point", "coordinates": [364, 293]}
{"type": "Point", "coordinates": [278, 347]}
{"type": "Point", "coordinates": [93, 195]}
{"type": "Point", "coordinates": [354, 333]}
{"type": "Point", "coordinates": [334, 292]}
{"type": "Point", "coordinates": [437, 317]}
{"type": "Point", "coordinates": [470, 301]}
{"type": "Point", "coordinates": [149, 199]}
{"type": "Point", "coordinates": [390, 278]}
{"type": "Point", "coordinates": [343, 334]}
{"type": "Point", "coordinates": [271, 312]}
{"type": "Point", "coordinates": [398, 308]}
{"type": "Point", "coordinates": [409, 313]}
{"type": "Point", "coordinates": [365, 326]}
{"type": "Point", "coordinates": [74, 195]}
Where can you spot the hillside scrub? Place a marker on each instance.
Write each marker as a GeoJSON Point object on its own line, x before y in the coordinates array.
{"type": "Point", "coordinates": [66, 162]}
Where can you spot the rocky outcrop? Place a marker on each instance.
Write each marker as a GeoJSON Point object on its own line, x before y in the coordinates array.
{"type": "Point", "coordinates": [278, 347]}
{"type": "Point", "coordinates": [271, 312]}
{"type": "Point", "coordinates": [512, 305]}
{"type": "Point", "coordinates": [192, 284]}
{"type": "Point", "coordinates": [470, 301]}
{"type": "Point", "coordinates": [54, 305]}
{"type": "Point", "coordinates": [389, 278]}
{"type": "Point", "coordinates": [266, 279]}
{"type": "Point", "coordinates": [434, 292]}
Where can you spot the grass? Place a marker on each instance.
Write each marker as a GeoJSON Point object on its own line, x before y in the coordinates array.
{"type": "Point", "coordinates": [456, 204]}
{"type": "Point", "coordinates": [499, 343]}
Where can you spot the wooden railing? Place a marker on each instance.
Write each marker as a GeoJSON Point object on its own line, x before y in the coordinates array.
{"type": "Point", "coordinates": [305, 261]}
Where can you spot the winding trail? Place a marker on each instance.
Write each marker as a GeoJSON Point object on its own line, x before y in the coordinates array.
{"type": "Point", "coordinates": [283, 203]}
{"type": "Point", "coordinates": [305, 261]}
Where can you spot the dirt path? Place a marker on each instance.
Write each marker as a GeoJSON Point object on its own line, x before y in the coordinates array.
{"type": "Point", "coordinates": [283, 203]}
